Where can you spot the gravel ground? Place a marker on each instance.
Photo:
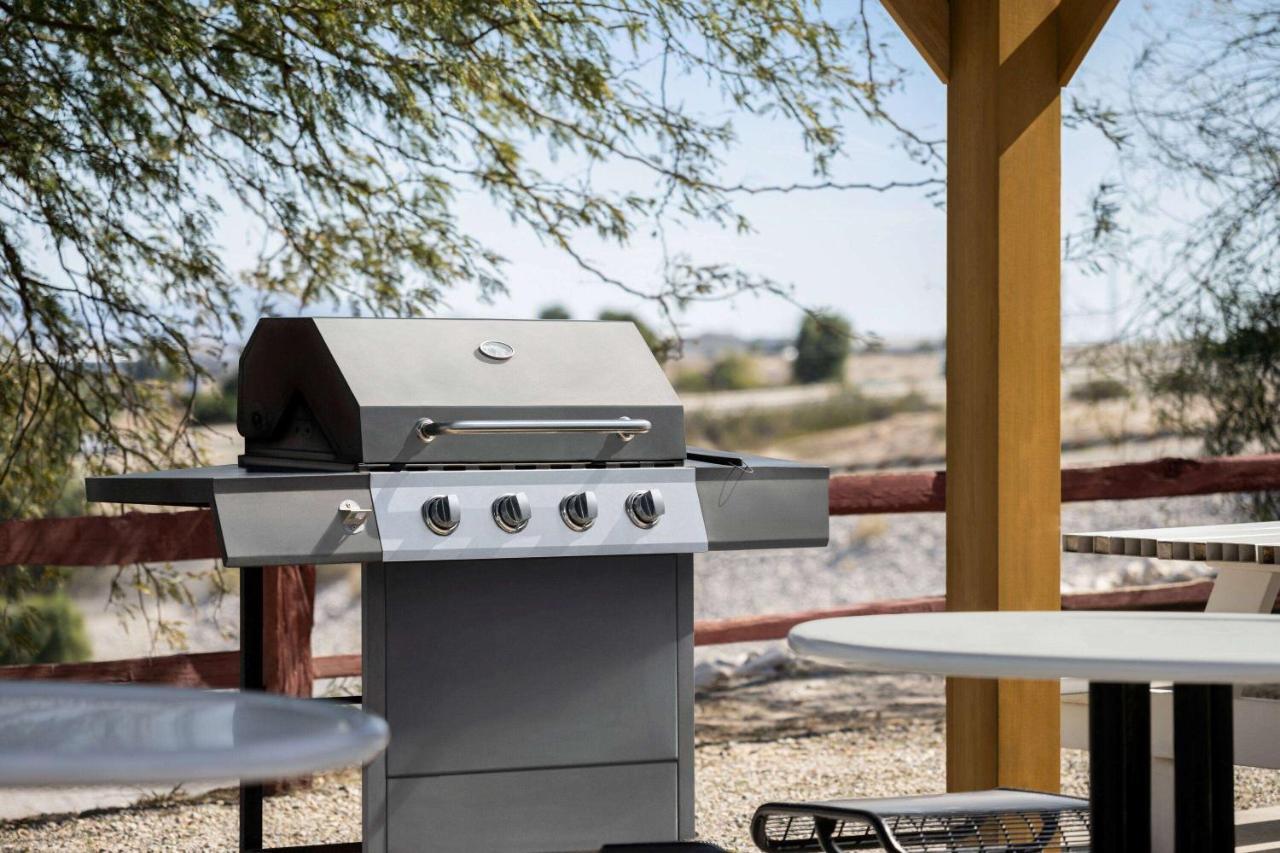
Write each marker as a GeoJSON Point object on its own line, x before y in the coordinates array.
{"type": "Point", "coordinates": [329, 811]}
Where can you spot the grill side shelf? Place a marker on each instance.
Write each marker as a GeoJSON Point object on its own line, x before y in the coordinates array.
{"type": "Point", "coordinates": [297, 519]}
{"type": "Point", "coordinates": [183, 487]}
{"type": "Point", "coordinates": [261, 517]}
{"type": "Point", "coordinates": [759, 502]}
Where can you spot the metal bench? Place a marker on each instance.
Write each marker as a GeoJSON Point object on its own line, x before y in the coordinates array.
{"type": "Point", "coordinates": [1002, 820]}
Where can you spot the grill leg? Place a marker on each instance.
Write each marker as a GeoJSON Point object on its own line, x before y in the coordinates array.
{"type": "Point", "coordinates": [1204, 774]}
{"type": "Point", "coordinates": [1120, 767]}
{"type": "Point", "coordinates": [252, 677]}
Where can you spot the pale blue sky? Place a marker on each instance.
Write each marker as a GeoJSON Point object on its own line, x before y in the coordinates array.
{"type": "Point", "coordinates": [880, 259]}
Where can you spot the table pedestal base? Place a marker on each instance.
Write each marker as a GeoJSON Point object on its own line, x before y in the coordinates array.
{"type": "Point", "coordinates": [1120, 768]}
{"type": "Point", "coordinates": [1204, 776]}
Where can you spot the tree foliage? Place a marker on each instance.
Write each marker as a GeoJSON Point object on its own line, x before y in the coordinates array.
{"type": "Point", "coordinates": [1198, 133]}
{"type": "Point", "coordinates": [50, 630]}
{"type": "Point", "coordinates": [342, 135]}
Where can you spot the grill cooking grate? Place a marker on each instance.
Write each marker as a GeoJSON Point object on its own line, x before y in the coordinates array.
{"type": "Point", "coordinates": [1050, 831]}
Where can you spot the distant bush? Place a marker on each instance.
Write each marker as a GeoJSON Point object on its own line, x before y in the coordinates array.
{"type": "Point", "coordinates": [822, 346]}
{"type": "Point", "coordinates": [691, 380]}
{"type": "Point", "coordinates": [733, 372]}
{"type": "Point", "coordinates": [1098, 390]}
{"type": "Point", "coordinates": [660, 347]}
{"type": "Point", "coordinates": [214, 407]}
{"type": "Point", "coordinates": [1177, 383]}
{"type": "Point", "coordinates": [217, 406]}
{"type": "Point", "coordinates": [759, 427]}
{"type": "Point", "coordinates": [49, 629]}
{"type": "Point", "coordinates": [555, 311]}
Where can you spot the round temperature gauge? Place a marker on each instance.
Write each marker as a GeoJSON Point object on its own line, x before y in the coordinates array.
{"type": "Point", "coordinates": [497, 350]}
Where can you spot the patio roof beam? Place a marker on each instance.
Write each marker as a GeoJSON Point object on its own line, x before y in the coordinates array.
{"type": "Point", "coordinates": [1079, 22]}
{"type": "Point", "coordinates": [927, 24]}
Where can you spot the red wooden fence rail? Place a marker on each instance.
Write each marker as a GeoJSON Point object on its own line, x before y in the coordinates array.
{"type": "Point", "coordinates": [926, 491]}
{"type": "Point", "coordinates": [290, 590]}
{"type": "Point", "coordinates": [222, 669]}
{"type": "Point", "coordinates": [118, 540]}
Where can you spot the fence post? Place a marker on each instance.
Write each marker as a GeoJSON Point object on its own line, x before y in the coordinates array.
{"type": "Point", "coordinates": [288, 604]}
{"type": "Point", "coordinates": [289, 600]}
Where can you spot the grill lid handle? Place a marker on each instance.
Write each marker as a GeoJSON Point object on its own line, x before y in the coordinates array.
{"type": "Point", "coordinates": [624, 427]}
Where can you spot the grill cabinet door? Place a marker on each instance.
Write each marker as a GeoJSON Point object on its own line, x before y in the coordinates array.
{"type": "Point", "coordinates": [510, 664]}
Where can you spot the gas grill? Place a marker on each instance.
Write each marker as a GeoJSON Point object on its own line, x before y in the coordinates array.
{"type": "Point", "coordinates": [526, 511]}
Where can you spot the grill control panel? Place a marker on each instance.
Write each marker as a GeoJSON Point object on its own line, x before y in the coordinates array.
{"type": "Point", "coordinates": [437, 515]}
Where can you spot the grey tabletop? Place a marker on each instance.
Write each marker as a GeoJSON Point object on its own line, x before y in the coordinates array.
{"type": "Point", "coordinates": [1195, 648]}
{"type": "Point", "coordinates": [89, 734]}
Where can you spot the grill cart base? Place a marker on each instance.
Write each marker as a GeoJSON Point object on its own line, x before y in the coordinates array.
{"type": "Point", "coordinates": [526, 510]}
{"type": "Point", "coordinates": [535, 705]}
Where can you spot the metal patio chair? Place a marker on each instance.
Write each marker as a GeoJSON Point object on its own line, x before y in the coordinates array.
{"type": "Point", "coordinates": [996, 821]}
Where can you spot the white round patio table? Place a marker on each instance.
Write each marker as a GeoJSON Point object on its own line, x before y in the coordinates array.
{"type": "Point", "coordinates": [1120, 654]}
{"type": "Point", "coordinates": [91, 734]}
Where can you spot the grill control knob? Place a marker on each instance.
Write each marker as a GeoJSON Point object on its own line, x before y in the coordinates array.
{"type": "Point", "coordinates": [579, 510]}
{"type": "Point", "coordinates": [442, 513]}
{"type": "Point", "coordinates": [646, 507]}
{"type": "Point", "coordinates": [512, 512]}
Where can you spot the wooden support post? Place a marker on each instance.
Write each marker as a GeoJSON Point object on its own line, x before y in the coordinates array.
{"type": "Point", "coordinates": [1003, 370]}
{"type": "Point", "coordinates": [1003, 61]}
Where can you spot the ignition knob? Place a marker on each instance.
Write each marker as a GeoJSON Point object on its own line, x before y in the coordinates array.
{"type": "Point", "coordinates": [442, 513]}
{"type": "Point", "coordinates": [512, 512]}
{"type": "Point", "coordinates": [646, 507]}
{"type": "Point", "coordinates": [579, 510]}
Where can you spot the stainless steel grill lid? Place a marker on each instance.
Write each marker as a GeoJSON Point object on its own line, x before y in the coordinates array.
{"type": "Point", "coordinates": [347, 392]}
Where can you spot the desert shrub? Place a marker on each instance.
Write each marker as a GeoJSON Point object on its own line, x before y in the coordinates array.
{"type": "Point", "coordinates": [659, 346]}
{"type": "Point", "coordinates": [692, 380]}
{"type": "Point", "coordinates": [555, 311]}
{"type": "Point", "coordinates": [1098, 390]}
{"type": "Point", "coordinates": [49, 629]}
{"type": "Point", "coordinates": [733, 372]}
{"type": "Point", "coordinates": [214, 407]}
{"type": "Point", "coordinates": [218, 405]}
{"type": "Point", "coordinates": [822, 346]}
